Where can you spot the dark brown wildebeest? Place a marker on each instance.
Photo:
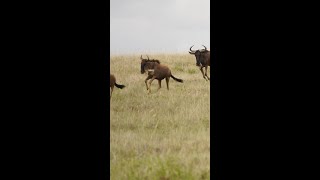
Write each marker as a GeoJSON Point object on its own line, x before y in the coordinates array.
{"type": "Point", "coordinates": [114, 83]}
{"type": "Point", "coordinates": [156, 71]}
{"type": "Point", "coordinates": [202, 59]}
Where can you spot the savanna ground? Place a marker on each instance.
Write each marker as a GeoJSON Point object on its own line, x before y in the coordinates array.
{"type": "Point", "coordinates": [165, 134]}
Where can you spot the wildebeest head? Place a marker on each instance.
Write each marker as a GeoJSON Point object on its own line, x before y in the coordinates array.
{"type": "Point", "coordinates": [147, 64]}
{"type": "Point", "coordinates": [143, 64]}
{"type": "Point", "coordinates": [198, 53]}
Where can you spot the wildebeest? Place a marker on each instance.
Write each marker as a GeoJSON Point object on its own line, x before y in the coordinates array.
{"type": "Point", "coordinates": [156, 71]}
{"type": "Point", "coordinates": [202, 59]}
{"type": "Point", "coordinates": [114, 83]}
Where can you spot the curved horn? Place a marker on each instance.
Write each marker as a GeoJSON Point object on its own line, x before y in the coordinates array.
{"type": "Point", "coordinates": [141, 57]}
{"type": "Point", "coordinates": [191, 49]}
{"type": "Point", "coordinates": [147, 56]}
{"type": "Point", "coordinates": [204, 47]}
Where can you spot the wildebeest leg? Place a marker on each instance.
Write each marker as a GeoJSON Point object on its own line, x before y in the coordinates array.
{"type": "Point", "coordinates": [149, 77]}
{"type": "Point", "coordinates": [167, 81]}
{"type": "Point", "coordinates": [159, 81]}
{"type": "Point", "coordinates": [203, 73]}
{"type": "Point", "coordinates": [206, 68]}
{"type": "Point", "coordinates": [150, 83]}
{"type": "Point", "coordinates": [111, 91]}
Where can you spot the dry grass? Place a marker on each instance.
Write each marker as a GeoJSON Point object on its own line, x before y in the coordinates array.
{"type": "Point", "coordinates": [165, 134]}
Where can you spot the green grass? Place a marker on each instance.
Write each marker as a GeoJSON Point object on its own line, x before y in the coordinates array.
{"type": "Point", "coordinates": [165, 134]}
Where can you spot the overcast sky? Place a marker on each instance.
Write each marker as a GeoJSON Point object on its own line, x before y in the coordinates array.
{"type": "Point", "coordinates": [138, 26]}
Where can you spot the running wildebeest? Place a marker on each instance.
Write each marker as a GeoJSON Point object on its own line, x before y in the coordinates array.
{"type": "Point", "coordinates": [114, 83]}
{"type": "Point", "coordinates": [156, 71]}
{"type": "Point", "coordinates": [202, 59]}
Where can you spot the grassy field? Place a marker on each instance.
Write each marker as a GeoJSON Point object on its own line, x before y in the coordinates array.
{"type": "Point", "coordinates": [165, 134]}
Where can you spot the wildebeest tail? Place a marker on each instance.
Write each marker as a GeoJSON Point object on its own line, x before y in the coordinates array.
{"type": "Point", "coordinates": [177, 79]}
{"type": "Point", "coordinates": [119, 86]}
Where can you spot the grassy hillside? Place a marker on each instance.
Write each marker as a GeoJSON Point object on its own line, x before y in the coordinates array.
{"type": "Point", "coordinates": [165, 134]}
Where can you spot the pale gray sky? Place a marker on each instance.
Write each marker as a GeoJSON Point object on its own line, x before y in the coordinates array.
{"type": "Point", "coordinates": [140, 26]}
